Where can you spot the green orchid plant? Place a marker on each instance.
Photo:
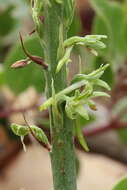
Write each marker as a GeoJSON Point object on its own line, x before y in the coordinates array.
{"type": "Point", "coordinates": [65, 102]}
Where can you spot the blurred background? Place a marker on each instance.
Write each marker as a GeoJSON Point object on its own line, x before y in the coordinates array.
{"type": "Point", "coordinates": [22, 91]}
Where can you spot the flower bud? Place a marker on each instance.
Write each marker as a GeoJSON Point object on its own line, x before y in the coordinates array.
{"type": "Point", "coordinates": [20, 64]}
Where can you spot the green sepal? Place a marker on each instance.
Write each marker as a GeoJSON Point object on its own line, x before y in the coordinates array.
{"type": "Point", "coordinates": [70, 111]}
{"type": "Point", "coordinates": [82, 112]}
{"type": "Point", "coordinates": [101, 70]}
{"type": "Point", "coordinates": [92, 76]}
{"type": "Point", "coordinates": [97, 94]}
{"type": "Point", "coordinates": [102, 83]}
{"type": "Point", "coordinates": [80, 136]}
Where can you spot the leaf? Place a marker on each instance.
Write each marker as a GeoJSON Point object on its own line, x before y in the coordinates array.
{"type": "Point", "coordinates": [121, 185]}
{"type": "Point", "coordinates": [6, 16]}
{"type": "Point", "coordinates": [122, 133]}
{"type": "Point", "coordinates": [109, 17]}
{"type": "Point", "coordinates": [19, 130]}
{"type": "Point", "coordinates": [39, 134]}
{"type": "Point", "coordinates": [75, 27]}
{"type": "Point", "coordinates": [80, 136]}
{"type": "Point", "coordinates": [32, 75]}
{"type": "Point", "coordinates": [22, 131]}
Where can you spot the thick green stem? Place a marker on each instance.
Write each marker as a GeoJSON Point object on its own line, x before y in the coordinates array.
{"type": "Point", "coordinates": [63, 154]}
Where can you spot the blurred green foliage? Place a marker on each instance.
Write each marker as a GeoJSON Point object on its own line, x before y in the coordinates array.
{"type": "Point", "coordinates": [121, 185]}
{"type": "Point", "coordinates": [6, 17]}
{"type": "Point", "coordinates": [111, 20]}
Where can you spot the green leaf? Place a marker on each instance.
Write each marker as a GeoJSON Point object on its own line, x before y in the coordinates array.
{"type": "Point", "coordinates": [6, 16]}
{"type": "Point", "coordinates": [22, 131]}
{"type": "Point", "coordinates": [80, 136]}
{"type": "Point", "coordinates": [110, 17]}
{"type": "Point", "coordinates": [39, 134]}
{"type": "Point", "coordinates": [19, 130]}
{"type": "Point", "coordinates": [122, 133]}
{"type": "Point", "coordinates": [75, 27]}
{"type": "Point", "coordinates": [121, 185]}
{"type": "Point", "coordinates": [20, 79]}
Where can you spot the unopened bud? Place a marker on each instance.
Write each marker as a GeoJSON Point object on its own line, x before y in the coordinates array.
{"type": "Point", "coordinates": [20, 64]}
{"type": "Point", "coordinates": [35, 59]}
{"type": "Point", "coordinates": [39, 61]}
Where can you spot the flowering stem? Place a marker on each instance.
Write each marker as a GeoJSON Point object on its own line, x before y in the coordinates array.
{"type": "Point", "coordinates": [62, 153]}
